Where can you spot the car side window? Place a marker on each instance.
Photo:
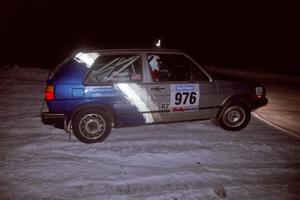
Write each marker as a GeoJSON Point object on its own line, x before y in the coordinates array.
{"type": "Point", "coordinates": [116, 68]}
{"type": "Point", "coordinates": [196, 74]}
{"type": "Point", "coordinates": [173, 67]}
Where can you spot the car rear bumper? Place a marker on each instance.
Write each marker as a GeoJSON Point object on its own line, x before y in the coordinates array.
{"type": "Point", "coordinates": [56, 119]}
{"type": "Point", "coordinates": [259, 103]}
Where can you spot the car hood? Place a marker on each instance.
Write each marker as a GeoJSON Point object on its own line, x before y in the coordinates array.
{"type": "Point", "coordinates": [226, 77]}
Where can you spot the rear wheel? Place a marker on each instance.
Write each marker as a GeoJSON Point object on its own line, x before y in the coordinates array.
{"type": "Point", "coordinates": [234, 117]}
{"type": "Point", "coordinates": [91, 125]}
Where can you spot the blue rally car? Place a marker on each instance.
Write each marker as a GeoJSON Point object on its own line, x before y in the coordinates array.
{"type": "Point", "coordinates": [91, 92]}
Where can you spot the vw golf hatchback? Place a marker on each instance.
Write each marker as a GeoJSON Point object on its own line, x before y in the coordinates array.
{"type": "Point", "coordinates": [92, 92]}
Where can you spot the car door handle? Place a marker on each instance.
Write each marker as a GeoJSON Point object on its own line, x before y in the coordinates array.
{"type": "Point", "coordinates": [157, 88]}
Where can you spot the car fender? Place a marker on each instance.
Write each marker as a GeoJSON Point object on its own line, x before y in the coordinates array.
{"type": "Point", "coordinates": [108, 109]}
{"type": "Point", "coordinates": [240, 97]}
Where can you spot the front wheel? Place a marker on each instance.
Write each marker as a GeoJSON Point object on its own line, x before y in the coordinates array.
{"type": "Point", "coordinates": [91, 125]}
{"type": "Point", "coordinates": [234, 117]}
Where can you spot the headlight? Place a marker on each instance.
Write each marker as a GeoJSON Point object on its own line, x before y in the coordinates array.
{"type": "Point", "coordinates": [259, 92]}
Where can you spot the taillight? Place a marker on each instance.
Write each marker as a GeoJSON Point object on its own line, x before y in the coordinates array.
{"type": "Point", "coordinates": [49, 93]}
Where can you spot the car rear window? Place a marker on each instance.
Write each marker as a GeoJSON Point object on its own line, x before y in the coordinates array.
{"type": "Point", "coordinates": [59, 67]}
{"type": "Point", "coordinates": [85, 58]}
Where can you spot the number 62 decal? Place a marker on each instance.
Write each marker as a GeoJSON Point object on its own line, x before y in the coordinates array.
{"type": "Point", "coordinates": [184, 97]}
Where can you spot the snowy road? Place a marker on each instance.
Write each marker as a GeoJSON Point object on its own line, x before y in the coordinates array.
{"type": "Point", "coordinates": [169, 161]}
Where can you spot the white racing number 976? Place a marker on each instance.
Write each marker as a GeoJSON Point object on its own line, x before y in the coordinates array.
{"type": "Point", "coordinates": [184, 97]}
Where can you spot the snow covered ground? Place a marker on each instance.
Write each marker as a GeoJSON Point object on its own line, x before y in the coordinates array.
{"type": "Point", "coordinates": [181, 161]}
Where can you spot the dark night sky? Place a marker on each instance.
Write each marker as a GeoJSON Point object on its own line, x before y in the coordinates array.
{"type": "Point", "coordinates": [263, 34]}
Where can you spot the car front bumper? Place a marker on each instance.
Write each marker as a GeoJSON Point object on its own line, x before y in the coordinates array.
{"type": "Point", "coordinates": [259, 103]}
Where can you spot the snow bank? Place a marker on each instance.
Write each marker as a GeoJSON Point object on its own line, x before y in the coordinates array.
{"type": "Point", "coordinates": [21, 73]}
{"type": "Point", "coordinates": [255, 74]}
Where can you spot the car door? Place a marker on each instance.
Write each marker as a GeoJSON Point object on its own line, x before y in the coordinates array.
{"type": "Point", "coordinates": [115, 81]}
{"type": "Point", "coordinates": [179, 89]}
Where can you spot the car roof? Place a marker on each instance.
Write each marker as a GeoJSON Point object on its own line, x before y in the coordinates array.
{"type": "Point", "coordinates": [132, 50]}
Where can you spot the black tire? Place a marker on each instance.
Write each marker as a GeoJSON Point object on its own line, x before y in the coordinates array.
{"type": "Point", "coordinates": [235, 116]}
{"type": "Point", "coordinates": [91, 125]}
